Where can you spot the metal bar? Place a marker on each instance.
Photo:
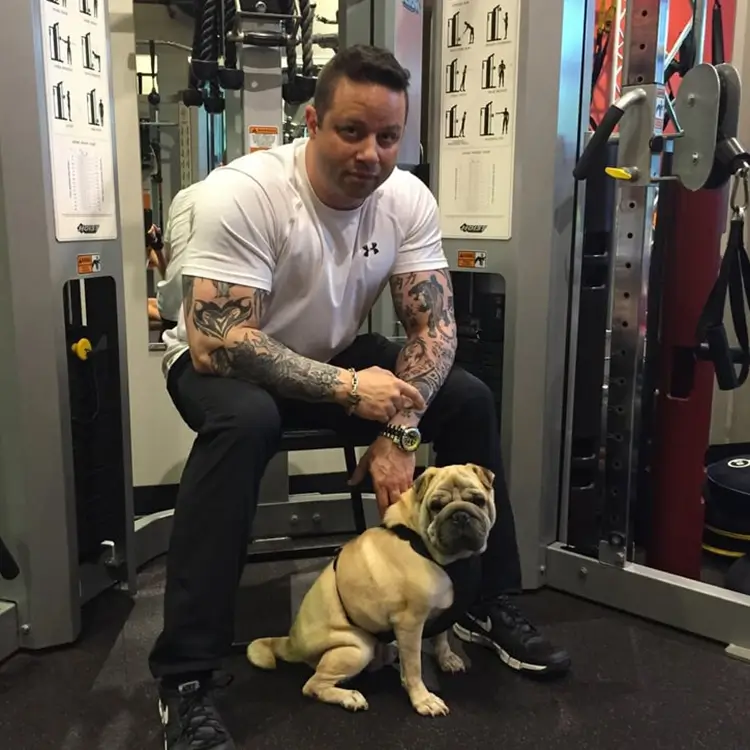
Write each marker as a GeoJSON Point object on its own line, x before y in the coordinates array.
{"type": "Point", "coordinates": [680, 39]}
{"type": "Point", "coordinates": [163, 43]}
{"type": "Point", "coordinates": [691, 606]}
{"type": "Point", "coordinates": [645, 42]}
{"type": "Point", "coordinates": [249, 15]}
{"type": "Point", "coordinates": [160, 124]}
{"type": "Point", "coordinates": [575, 277]}
{"type": "Point", "coordinates": [699, 22]}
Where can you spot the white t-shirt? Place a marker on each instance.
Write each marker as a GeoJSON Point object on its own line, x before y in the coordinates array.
{"type": "Point", "coordinates": [258, 223]}
{"type": "Point", "coordinates": [176, 238]}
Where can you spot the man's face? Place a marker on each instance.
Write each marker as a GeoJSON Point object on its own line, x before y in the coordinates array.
{"type": "Point", "coordinates": [356, 145]}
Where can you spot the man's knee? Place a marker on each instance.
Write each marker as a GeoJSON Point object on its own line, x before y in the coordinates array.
{"type": "Point", "coordinates": [255, 418]}
{"type": "Point", "coordinates": [239, 411]}
{"type": "Point", "coordinates": [469, 393]}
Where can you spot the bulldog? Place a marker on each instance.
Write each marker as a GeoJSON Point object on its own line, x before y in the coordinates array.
{"type": "Point", "coordinates": [405, 580]}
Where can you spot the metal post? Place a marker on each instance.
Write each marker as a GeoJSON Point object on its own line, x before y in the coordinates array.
{"type": "Point", "coordinates": [643, 77]}
{"type": "Point", "coordinates": [683, 421]}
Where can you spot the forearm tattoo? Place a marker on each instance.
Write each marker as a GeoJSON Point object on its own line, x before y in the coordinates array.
{"type": "Point", "coordinates": [249, 354]}
{"type": "Point", "coordinates": [424, 302]}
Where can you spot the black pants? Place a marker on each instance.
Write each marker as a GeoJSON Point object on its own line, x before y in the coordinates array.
{"type": "Point", "coordinates": [238, 428]}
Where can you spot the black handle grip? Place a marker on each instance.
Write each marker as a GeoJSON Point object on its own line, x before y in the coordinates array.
{"type": "Point", "coordinates": [264, 39]}
{"type": "Point", "coordinates": [721, 355]}
{"type": "Point", "coordinates": [595, 148]}
{"type": "Point", "coordinates": [8, 566]}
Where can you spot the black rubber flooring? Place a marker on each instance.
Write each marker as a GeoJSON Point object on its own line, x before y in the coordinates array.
{"type": "Point", "coordinates": [634, 685]}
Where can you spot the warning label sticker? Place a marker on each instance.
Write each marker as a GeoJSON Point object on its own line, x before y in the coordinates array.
{"type": "Point", "coordinates": [262, 137]}
{"type": "Point", "coordinates": [89, 264]}
{"type": "Point", "coordinates": [472, 259]}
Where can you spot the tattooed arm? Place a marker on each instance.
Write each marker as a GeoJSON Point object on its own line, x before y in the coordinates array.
{"type": "Point", "coordinates": [424, 304]}
{"type": "Point", "coordinates": [222, 323]}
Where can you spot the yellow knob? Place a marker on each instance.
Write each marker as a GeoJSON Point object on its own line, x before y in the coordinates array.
{"type": "Point", "coordinates": [82, 349]}
{"type": "Point", "coordinates": [621, 173]}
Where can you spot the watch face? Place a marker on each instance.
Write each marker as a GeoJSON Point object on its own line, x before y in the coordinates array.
{"type": "Point", "coordinates": [411, 439]}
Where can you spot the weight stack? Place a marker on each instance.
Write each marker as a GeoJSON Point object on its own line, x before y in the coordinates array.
{"type": "Point", "coordinates": [727, 496]}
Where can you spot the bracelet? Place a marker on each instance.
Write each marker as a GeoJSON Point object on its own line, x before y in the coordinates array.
{"type": "Point", "coordinates": [353, 398]}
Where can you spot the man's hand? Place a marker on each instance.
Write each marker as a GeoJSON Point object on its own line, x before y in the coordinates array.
{"type": "Point", "coordinates": [381, 395]}
{"type": "Point", "coordinates": [391, 469]}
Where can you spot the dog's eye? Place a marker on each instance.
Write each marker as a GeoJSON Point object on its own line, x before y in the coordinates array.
{"type": "Point", "coordinates": [477, 499]}
{"type": "Point", "coordinates": [436, 505]}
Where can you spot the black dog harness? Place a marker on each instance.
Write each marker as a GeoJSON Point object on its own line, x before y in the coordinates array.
{"type": "Point", "coordinates": [464, 574]}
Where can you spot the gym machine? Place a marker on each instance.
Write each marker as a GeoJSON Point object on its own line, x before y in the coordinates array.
{"type": "Point", "coordinates": [65, 468]}
{"type": "Point", "coordinates": [639, 424]}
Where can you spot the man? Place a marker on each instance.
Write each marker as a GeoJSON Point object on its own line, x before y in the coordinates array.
{"type": "Point", "coordinates": [176, 239]}
{"type": "Point", "coordinates": [290, 250]}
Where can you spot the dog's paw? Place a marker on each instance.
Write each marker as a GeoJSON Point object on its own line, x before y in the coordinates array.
{"type": "Point", "coordinates": [354, 701]}
{"type": "Point", "coordinates": [428, 704]}
{"type": "Point", "coordinates": [448, 661]}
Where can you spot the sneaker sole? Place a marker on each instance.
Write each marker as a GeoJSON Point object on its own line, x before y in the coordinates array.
{"type": "Point", "coordinates": [163, 717]}
{"type": "Point", "coordinates": [469, 636]}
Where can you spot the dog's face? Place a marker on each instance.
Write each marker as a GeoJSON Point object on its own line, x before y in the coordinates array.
{"type": "Point", "coordinates": [456, 508]}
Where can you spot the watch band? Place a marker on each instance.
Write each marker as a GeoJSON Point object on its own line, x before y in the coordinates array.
{"type": "Point", "coordinates": [406, 439]}
{"type": "Point", "coordinates": [393, 432]}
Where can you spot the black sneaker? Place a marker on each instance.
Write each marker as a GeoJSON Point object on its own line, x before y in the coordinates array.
{"type": "Point", "coordinates": [190, 719]}
{"type": "Point", "coordinates": [500, 626]}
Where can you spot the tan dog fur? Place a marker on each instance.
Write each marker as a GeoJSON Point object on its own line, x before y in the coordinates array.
{"type": "Point", "coordinates": [383, 583]}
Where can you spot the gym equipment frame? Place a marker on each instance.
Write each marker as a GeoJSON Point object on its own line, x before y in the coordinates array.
{"type": "Point", "coordinates": [65, 464]}
{"type": "Point", "coordinates": [647, 157]}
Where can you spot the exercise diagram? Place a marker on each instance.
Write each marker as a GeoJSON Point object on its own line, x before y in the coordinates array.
{"type": "Point", "coordinates": [487, 115]}
{"type": "Point", "coordinates": [459, 35]}
{"type": "Point", "coordinates": [493, 75]}
{"type": "Point", "coordinates": [58, 43]}
{"type": "Point", "coordinates": [92, 60]}
{"type": "Point", "coordinates": [497, 25]}
{"type": "Point", "coordinates": [61, 3]}
{"type": "Point", "coordinates": [455, 82]}
{"type": "Point", "coordinates": [455, 123]}
{"type": "Point", "coordinates": [94, 109]}
{"type": "Point", "coordinates": [61, 102]}
{"type": "Point", "coordinates": [89, 8]}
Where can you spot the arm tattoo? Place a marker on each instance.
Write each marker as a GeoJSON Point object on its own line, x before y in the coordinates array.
{"type": "Point", "coordinates": [424, 303]}
{"type": "Point", "coordinates": [246, 353]}
{"type": "Point", "coordinates": [259, 359]}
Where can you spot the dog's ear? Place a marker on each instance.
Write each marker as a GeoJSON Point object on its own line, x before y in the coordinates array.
{"type": "Point", "coordinates": [422, 482]}
{"type": "Point", "coordinates": [486, 477]}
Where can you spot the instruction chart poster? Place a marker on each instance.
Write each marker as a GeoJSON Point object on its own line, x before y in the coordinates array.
{"type": "Point", "coordinates": [478, 110]}
{"type": "Point", "coordinates": [76, 74]}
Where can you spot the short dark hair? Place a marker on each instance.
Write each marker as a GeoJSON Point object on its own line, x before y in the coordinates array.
{"type": "Point", "coordinates": [361, 63]}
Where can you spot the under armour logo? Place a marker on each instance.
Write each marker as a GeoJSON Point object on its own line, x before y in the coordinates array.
{"type": "Point", "coordinates": [371, 248]}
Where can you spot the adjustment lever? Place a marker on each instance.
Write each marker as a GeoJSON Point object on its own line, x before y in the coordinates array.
{"type": "Point", "coordinates": [595, 149]}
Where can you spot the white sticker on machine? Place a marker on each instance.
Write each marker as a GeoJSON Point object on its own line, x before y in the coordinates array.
{"type": "Point", "coordinates": [262, 137]}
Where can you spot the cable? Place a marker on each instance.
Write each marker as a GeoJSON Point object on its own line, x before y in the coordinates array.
{"type": "Point", "coordinates": [230, 49]}
{"type": "Point", "coordinates": [717, 35]}
{"type": "Point", "coordinates": [291, 40]}
{"type": "Point", "coordinates": [308, 16]}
